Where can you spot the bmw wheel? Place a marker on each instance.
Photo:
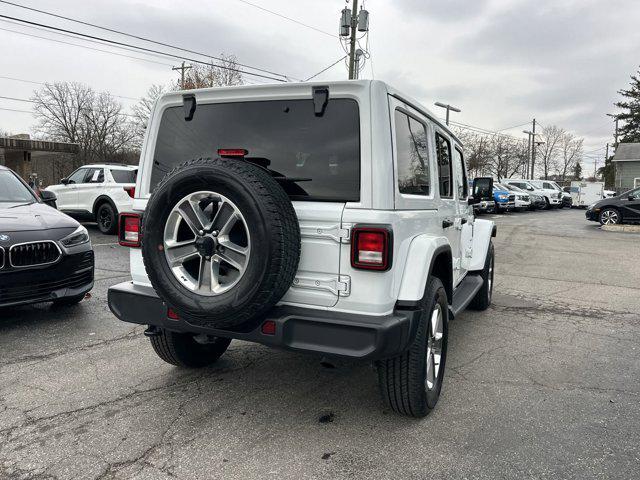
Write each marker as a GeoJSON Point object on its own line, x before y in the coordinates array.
{"type": "Point", "coordinates": [610, 216]}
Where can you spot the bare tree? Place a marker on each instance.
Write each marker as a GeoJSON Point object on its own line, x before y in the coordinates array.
{"type": "Point", "coordinates": [547, 152]}
{"type": "Point", "coordinates": [72, 112]}
{"type": "Point", "coordinates": [570, 154]}
{"type": "Point", "coordinates": [142, 111]}
{"type": "Point", "coordinates": [213, 75]}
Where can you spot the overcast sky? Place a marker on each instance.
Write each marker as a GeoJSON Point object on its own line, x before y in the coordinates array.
{"type": "Point", "coordinates": [502, 61]}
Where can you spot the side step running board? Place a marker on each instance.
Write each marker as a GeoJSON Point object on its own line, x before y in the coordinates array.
{"type": "Point", "coordinates": [465, 292]}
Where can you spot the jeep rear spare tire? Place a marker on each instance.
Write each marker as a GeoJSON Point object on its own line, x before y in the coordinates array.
{"type": "Point", "coordinates": [221, 242]}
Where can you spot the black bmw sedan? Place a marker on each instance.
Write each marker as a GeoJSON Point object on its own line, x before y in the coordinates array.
{"type": "Point", "coordinates": [45, 255]}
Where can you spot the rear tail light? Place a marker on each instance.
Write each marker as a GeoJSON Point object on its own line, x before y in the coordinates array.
{"type": "Point", "coordinates": [269, 327]}
{"type": "Point", "coordinates": [131, 191]}
{"type": "Point", "coordinates": [130, 229]}
{"type": "Point", "coordinates": [371, 248]}
{"type": "Point", "coordinates": [172, 314]}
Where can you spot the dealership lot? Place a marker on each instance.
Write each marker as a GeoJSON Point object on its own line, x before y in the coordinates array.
{"type": "Point", "coordinates": [543, 384]}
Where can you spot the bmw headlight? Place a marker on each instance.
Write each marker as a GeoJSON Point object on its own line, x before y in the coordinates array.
{"type": "Point", "coordinates": [78, 237]}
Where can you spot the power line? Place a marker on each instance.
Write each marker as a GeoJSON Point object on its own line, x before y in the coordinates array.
{"type": "Point", "coordinates": [515, 126]}
{"type": "Point", "coordinates": [15, 99]}
{"type": "Point", "coordinates": [137, 37]}
{"type": "Point", "coordinates": [44, 83]}
{"type": "Point", "coordinates": [15, 110]}
{"type": "Point", "coordinates": [144, 49]}
{"type": "Point", "coordinates": [286, 18]}
{"type": "Point", "coordinates": [83, 46]}
{"type": "Point", "coordinates": [327, 68]}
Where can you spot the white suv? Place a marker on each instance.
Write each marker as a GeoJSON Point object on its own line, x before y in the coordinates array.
{"type": "Point", "coordinates": [552, 193]}
{"type": "Point", "coordinates": [331, 219]}
{"type": "Point", "coordinates": [97, 193]}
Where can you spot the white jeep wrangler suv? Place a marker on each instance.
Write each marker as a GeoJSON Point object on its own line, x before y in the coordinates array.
{"type": "Point", "coordinates": [333, 219]}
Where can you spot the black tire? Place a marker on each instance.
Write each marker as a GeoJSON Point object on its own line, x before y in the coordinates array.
{"type": "Point", "coordinates": [68, 301]}
{"type": "Point", "coordinates": [107, 219]}
{"type": "Point", "coordinates": [182, 350]}
{"type": "Point", "coordinates": [402, 379]}
{"type": "Point", "coordinates": [482, 300]}
{"type": "Point", "coordinates": [272, 225]}
{"type": "Point", "coordinates": [612, 214]}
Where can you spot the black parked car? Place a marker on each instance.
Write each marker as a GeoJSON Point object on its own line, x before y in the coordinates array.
{"type": "Point", "coordinates": [45, 255]}
{"type": "Point", "coordinates": [624, 208]}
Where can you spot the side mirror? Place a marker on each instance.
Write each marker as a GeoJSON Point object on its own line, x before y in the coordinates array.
{"type": "Point", "coordinates": [64, 181]}
{"type": "Point", "coordinates": [48, 197]}
{"type": "Point", "coordinates": [483, 188]}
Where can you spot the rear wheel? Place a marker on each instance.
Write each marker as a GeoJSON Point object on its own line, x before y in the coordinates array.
{"type": "Point", "coordinates": [411, 382]}
{"type": "Point", "coordinates": [106, 219]}
{"type": "Point", "coordinates": [183, 350]}
{"type": "Point", "coordinates": [610, 216]}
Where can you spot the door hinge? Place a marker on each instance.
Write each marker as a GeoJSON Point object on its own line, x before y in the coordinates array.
{"type": "Point", "coordinates": [338, 285]}
{"type": "Point", "coordinates": [334, 232]}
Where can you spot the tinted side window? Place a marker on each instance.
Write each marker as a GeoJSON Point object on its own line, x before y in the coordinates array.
{"type": "Point", "coordinates": [461, 175]}
{"type": "Point", "coordinates": [547, 185]}
{"type": "Point", "coordinates": [445, 175]}
{"type": "Point", "coordinates": [412, 152]}
{"type": "Point", "coordinates": [124, 176]}
{"type": "Point", "coordinates": [78, 176]}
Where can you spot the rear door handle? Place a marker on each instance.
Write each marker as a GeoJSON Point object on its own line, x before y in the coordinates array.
{"type": "Point", "coordinates": [446, 223]}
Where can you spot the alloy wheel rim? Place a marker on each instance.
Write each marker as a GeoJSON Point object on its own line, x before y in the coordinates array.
{"type": "Point", "coordinates": [207, 243]}
{"type": "Point", "coordinates": [609, 217]}
{"type": "Point", "coordinates": [105, 218]}
{"type": "Point", "coordinates": [435, 338]}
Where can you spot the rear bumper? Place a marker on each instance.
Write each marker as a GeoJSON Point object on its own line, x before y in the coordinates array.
{"type": "Point", "coordinates": [302, 329]}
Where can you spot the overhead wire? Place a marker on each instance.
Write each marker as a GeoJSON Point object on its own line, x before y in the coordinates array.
{"type": "Point", "coordinates": [137, 37]}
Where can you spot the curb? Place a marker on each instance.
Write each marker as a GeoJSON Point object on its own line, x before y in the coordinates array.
{"type": "Point", "coordinates": [621, 228]}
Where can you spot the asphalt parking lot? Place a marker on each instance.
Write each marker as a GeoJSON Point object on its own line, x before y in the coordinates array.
{"type": "Point", "coordinates": [544, 384]}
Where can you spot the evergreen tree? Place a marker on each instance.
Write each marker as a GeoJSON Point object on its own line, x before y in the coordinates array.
{"type": "Point", "coordinates": [630, 118]}
{"type": "Point", "coordinates": [577, 171]}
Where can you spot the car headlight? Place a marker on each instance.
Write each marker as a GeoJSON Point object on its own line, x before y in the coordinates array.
{"type": "Point", "coordinates": [78, 237]}
{"type": "Point", "coordinates": [503, 197]}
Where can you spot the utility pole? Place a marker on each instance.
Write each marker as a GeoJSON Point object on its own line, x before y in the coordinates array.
{"type": "Point", "coordinates": [352, 22]}
{"type": "Point", "coordinates": [533, 151]}
{"type": "Point", "coordinates": [183, 68]}
{"type": "Point", "coordinates": [352, 43]}
{"type": "Point", "coordinates": [616, 135]}
{"type": "Point", "coordinates": [450, 108]}
{"type": "Point", "coordinates": [529, 134]}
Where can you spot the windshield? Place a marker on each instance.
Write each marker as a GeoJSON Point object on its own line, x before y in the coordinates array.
{"type": "Point", "coordinates": [12, 190]}
{"type": "Point", "coordinates": [632, 193]}
{"type": "Point", "coordinates": [315, 157]}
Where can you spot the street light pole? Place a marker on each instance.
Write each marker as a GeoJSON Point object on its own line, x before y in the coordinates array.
{"type": "Point", "coordinates": [449, 108]}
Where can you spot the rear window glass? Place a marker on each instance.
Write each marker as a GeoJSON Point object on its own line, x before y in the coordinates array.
{"type": "Point", "coordinates": [319, 156]}
{"type": "Point", "coordinates": [124, 176]}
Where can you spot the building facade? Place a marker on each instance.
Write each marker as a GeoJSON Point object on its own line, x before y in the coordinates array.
{"type": "Point", "coordinates": [627, 166]}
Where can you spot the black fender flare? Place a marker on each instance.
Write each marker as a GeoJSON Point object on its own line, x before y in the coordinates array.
{"type": "Point", "coordinates": [103, 199]}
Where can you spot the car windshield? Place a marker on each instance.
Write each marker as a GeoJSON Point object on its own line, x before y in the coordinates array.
{"type": "Point", "coordinates": [633, 193]}
{"type": "Point", "coordinates": [12, 190]}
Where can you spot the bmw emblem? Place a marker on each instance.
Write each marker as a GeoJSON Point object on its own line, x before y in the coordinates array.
{"type": "Point", "coordinates": [4, 238]}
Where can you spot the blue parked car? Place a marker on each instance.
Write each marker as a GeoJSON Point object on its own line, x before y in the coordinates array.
{"type": "Point", "coordinates": [503, 200]}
